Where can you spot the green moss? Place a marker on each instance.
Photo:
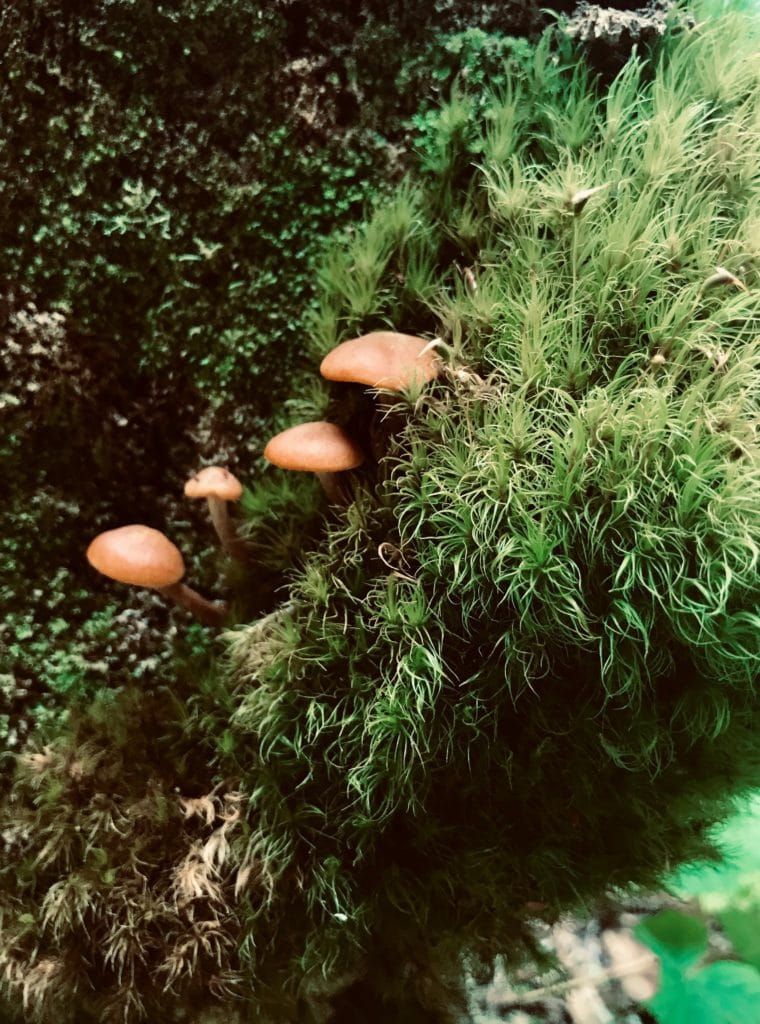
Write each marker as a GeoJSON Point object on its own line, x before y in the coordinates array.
{"type": "Point", "coordinates": [544, 687]}
{"type": "Point", "coordinates": [519, 668]}
{"type": "Point", "coordinates": [168, 177]}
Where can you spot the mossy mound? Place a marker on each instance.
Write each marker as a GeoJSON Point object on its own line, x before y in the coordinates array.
{"type": "Point", "coordinates": [519, 668]}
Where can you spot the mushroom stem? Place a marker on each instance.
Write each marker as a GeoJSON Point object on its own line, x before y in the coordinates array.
{"type": "Point", "coordinates": [211, 613]}
{"type": "Point", "coordinates": [331, 486]}
{"type": "Point", "coordinates": [225, 528]}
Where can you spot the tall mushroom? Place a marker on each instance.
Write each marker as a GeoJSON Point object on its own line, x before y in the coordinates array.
{"type": "Point", "coordinates": [324, 449]}
{"type": "Point", "coordinates": [218, 486]}
{"type": "Point", "coordinates": [382, 359]}
{"type": "Point", "coordinates": [385, 360]}
{"type": "Point", "coordinates": [144, 557]}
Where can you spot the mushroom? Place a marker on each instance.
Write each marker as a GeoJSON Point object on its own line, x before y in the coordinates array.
{"type": "Point", "coordinates": [144, 557]}
{"type": "Point", "coordinates": [382, 359]}
{"type": "Point", "coordinates": [321, 448]}
{"type": "Point", "coordinates": [218, 486]}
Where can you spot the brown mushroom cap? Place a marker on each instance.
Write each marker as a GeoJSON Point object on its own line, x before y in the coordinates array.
{"type": "Point", "coordinates": [314, 448]}
{"type": "Point", "coordinates": [382, 359]}
{"type": "Point", "coordinates": [214, 482]}
{"type": "Point", "coordinates": [138, 555]}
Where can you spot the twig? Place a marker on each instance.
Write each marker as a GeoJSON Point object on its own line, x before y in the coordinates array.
{"type": "Point", "coordinates": [589, 979]}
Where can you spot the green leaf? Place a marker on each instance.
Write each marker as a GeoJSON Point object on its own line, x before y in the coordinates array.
{"type": "Point", "coordinates": [723, 993]}
{"type": "Point", "coordinates": [678, 939]}
{"type": "Point", "coordinates": [743, 929]}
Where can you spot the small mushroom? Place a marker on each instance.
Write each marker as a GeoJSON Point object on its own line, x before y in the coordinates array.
{"type": "Point", "coordinates": [218, 486]}
{"type": "Point", "coordinates": [321, 448]}
{"type": "Point", "coordinates": [144, 557]}
{"type": "Point", "coordinates": [382, 359]}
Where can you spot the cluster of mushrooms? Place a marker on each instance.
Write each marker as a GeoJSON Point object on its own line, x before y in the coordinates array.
{"type": "Point", "coordinates": [383, 361]}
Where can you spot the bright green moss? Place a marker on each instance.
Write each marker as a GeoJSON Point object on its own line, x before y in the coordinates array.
{"type": "Point", "coordinates": [546, 685]}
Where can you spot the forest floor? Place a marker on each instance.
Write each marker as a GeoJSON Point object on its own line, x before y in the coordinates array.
{"type": "Point", "coordinates": [603, 975]}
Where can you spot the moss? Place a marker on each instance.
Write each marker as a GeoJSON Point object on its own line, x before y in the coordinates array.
{"type": "Point", "coordinates": [169, 177]}
{"type": "Point", "coordinates": [519, 669]}
{"type": "Point", "coordinates": [545, 685]}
